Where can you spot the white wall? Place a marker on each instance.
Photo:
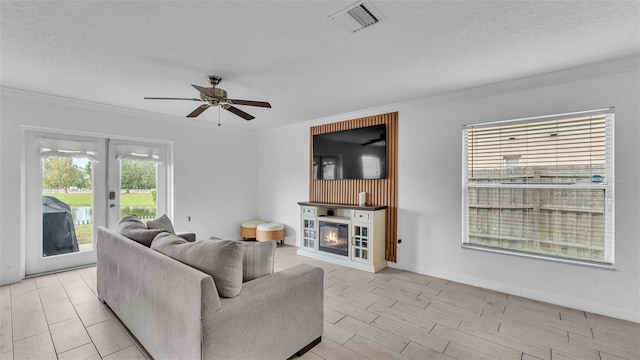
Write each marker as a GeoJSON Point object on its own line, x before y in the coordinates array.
{"type": "Point", "coordinates": [214, 172]}
{"type": "Point", "coordinates": [429, 187]}
{"type": "Point", "coordinates": [223, 176]}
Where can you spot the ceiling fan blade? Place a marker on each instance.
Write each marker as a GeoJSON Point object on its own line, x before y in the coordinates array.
{"type": "Point", "coordinates": [204, 91]}
{"type": "Point", "coordinates": [369, 142]}
{"type": "Point", "coordinates": [383, 137]}
{"type": "Point", "coordinates": [240, 113]}
{"type": "Point", "coordinates": [198, 110]}
{"type": "Point", "coordinates": [250, 103]}
{"type": "Point", "coordinates": [167, 98]}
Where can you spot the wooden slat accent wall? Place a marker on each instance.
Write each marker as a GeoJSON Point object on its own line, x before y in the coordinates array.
{"type": "Point", "coordinates": [379, 192]}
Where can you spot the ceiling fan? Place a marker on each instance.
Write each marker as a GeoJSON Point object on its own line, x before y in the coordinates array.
{"type": "Point", "coordinates": [381, 138]}
{"type": "Point", "coordinates": [214, 96]}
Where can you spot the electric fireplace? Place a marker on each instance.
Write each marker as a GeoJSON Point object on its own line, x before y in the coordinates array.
{"type": "Point", "coordinates": [334, 238]}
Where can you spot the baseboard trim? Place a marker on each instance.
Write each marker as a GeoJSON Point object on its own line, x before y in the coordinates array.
{"type": "Point", "coordinates": [59, 271]}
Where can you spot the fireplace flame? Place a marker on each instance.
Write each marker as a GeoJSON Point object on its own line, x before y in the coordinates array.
{"type": "Point", "coordinates": [332, 238]}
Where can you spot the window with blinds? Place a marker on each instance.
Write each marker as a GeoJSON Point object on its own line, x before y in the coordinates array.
{"type": "Point", "coordinates": [541, 187]}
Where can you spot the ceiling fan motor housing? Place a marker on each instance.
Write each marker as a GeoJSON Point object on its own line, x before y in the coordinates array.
{"type": "Point", "coordinates": [217, 96]}
{"type": "Point", "coordinates": [219, 93]}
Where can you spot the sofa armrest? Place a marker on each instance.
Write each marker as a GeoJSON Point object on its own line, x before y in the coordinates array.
{"type": "Point", "coordinates": [190, 237]}
{"type": "Point", "coordinates": [280, 313]}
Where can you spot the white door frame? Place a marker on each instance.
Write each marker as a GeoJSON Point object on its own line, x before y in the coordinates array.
{"type": "Point", "coordinates": [31, 201]}
{"type": "Point", "coordinates": [35, 262]}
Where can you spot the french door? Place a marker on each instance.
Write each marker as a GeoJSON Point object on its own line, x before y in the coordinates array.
{"type": "Point", "coordinates": [138, 180]}
{"type": "Point", "coordinates": [74, 183]}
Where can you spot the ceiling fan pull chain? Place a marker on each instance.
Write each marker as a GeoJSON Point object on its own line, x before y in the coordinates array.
{"type": "Point", "coordinates": [218, 115]}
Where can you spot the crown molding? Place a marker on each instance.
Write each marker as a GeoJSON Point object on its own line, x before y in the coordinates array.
{"type": "Point", "coordinates": [33, 96]}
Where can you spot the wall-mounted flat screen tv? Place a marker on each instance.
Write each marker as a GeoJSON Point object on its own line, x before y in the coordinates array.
{"type": "Point", "coordinates": [359, 153]}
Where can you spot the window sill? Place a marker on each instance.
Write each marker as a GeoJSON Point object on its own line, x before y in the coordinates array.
{"type": "Point", "coordinates": [586, 263]}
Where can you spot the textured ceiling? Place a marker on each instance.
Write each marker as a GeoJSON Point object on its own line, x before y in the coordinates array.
{"type": "Point", "coordinates": [292, 55]}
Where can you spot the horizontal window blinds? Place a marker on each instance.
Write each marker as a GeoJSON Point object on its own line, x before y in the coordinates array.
{"type": "Point", "coordinates": [541, 186]}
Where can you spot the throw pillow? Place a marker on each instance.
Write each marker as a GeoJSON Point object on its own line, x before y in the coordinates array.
{"type": "Point", "coordinates": [220, 259]}
{"type": "Point", "coordinates": [132, 227]}
{"type": "Point", "coordinates": [163, 222]}
{"type": "Point", "coordinates": [257, 259]}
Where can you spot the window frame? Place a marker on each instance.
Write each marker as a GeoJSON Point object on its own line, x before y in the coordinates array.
{"type": "Point", "coordinates": [607, 186]}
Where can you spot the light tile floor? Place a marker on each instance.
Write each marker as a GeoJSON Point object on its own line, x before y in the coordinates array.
{"type": "Point", "coordinates": [389, 315]}
{"type": "Point", "coordinates": [59, 316]}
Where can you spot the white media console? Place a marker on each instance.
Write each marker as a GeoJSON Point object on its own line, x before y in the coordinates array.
{"type": "Point", "coordinates": [347, 235]}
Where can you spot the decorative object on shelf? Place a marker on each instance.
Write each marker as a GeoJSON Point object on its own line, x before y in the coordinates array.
{"type": "Point", "coordinates": [362, 198]}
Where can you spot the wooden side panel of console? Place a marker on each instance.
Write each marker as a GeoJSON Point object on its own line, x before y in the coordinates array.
{"type": "Point", "coordinates": [379, 192]}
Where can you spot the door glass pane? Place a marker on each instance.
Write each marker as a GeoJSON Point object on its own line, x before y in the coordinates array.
{"type": "Point", "coordinates": [67, 205]}
{"type": "Point", "coordinates": [138, 189]}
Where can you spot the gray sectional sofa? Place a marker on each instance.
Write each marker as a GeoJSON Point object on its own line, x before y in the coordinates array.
{"type": "Point", "coordinates": [175, 310]}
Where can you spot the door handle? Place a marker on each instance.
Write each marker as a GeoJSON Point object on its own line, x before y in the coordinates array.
{"type": "Point", "coordinates": [113, 206]}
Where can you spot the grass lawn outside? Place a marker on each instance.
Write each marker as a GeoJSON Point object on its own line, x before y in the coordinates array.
{"type": "Point", "coordinates": [126, 199]}
{"type": "Point", "coordinates": [84, 234]}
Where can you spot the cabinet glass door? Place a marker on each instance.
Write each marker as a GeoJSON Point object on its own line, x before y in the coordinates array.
{"type": "Point", "coordinates": [360, 243]}
{"type": "Point", "coordinates": [309, 236]}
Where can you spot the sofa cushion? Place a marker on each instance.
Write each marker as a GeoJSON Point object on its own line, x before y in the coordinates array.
{"type": "Point", "coordinates": [163, 222]}
{"type": "Point", "coordinates": [220, 259]}
{"type": "Point", "coordinates": [132, 227]}
{"type": "Point", "coordinates": [257, 259]}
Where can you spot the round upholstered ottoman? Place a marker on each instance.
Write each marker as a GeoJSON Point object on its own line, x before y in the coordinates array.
{"type": "Point", "coordinates": [248, 228]}
{"type": "Point", "coordinates": [270, 231]}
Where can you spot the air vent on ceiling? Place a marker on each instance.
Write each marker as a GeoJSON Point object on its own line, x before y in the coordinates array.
{"type": "Point", "coordinates": [357, 16]}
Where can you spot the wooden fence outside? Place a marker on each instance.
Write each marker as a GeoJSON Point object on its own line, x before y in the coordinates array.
{"type": "Point", "coordinates": [550, 221]}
